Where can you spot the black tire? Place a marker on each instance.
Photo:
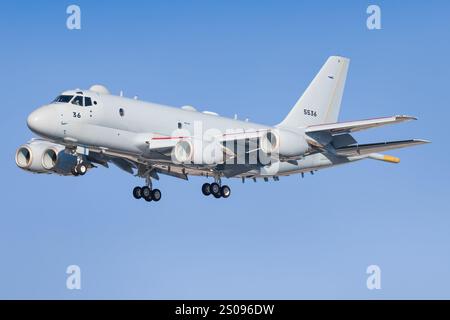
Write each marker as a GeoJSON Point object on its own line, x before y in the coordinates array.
{"type": "Point", "coordinates": [81, 169]}
{"type": "Point", "coordinates": [137, 192]}
{"type": "Point", "coordinates": [147, 193]}
{"type": "Point", "coordinates": [156, 195]}
{"type": "Point", "coordinates": [206, 189]}
{"type": "Point", "coordinates": [215, 189]}
{"type": "Point", "coordinates": [225, 191]}
{"type": "Point", "coordinates": [74, 171]}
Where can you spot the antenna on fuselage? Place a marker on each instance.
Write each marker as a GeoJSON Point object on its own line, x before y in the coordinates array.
{"type": "Point", "coordinates": [121, 93]}
{"type": "Point", "coordinates": [135, 97]}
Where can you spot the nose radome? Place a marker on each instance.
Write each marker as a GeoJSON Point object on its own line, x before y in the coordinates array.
{"type": "Point", "coordinates": [34, 120]}
{"type": "Point", "coordinates": [39, 120]}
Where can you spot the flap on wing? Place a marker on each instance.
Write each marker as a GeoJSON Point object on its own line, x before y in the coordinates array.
{"type": "Point", "coordinates": [161, 146]}
{"type": "Point", "coordinates": [352, 126]}
{"type": "Point", "coordinates": [123, 164]}
{"type": "Point", "coordinates": [163, 142]}
{"type": "Point", "coordinates": [243, 135]}
{"type": "Point", "coordinates": [365, 149]}
{"type": "Point", "coordinates": [245, 141]}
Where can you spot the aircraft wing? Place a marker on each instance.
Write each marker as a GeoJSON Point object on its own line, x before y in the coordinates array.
{"type": "Point", "coordinates": [366, 149]}
{"type": "Point", "coordinates": [160, 147]}
{"type": "Point", "coordinates": [352, 126]}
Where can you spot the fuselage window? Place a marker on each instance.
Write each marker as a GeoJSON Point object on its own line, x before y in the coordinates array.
{"type": "Point", "coordinates": [95, 102]}
{"type": "Point", "coordinates": [121, 112]}
{"type": "Point", "coordinates": [87, 101]}
{"type": "Point", "coordinates": [180, 125]}
{"type": "Point", "coordinates": [63, 99]}
{"type": "Point", "coordinates": [78, 101]}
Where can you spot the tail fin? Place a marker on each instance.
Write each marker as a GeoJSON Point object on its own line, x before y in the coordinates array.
{"type": "Point", "coordinates": [321, 101]}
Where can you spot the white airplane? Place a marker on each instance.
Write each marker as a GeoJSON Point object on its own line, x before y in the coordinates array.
{"type": "Point", "coordinates": [81, 129]}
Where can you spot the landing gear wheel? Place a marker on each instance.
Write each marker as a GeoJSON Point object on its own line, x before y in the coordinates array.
{"type": "Point", "coordinates": [74, 171]}
{"type": "Point", "coordinates": [225, 191]}
{"type": "Point", "coordinates": [137, 192]}
{"type": "Point", "coordinates": [81, 169]}
{"type": "Point", "coordinates": [147, 193]}
{"type": "Point", "coordinates": [156, 195]}
{"type": "Point", "coordinates": [206, 189]}
{"type": "Point", "coordinates": [215, 189]}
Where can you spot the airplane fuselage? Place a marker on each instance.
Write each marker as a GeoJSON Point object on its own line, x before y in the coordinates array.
{"type": "Point", "coordinates": [119, 125]}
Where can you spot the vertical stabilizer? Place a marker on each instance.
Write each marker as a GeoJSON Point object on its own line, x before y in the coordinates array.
{"type": "Point", "coordinates": [321, 101]}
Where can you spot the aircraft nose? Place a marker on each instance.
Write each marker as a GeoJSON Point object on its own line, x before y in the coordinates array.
{"type": "Point", "coordinates": [39, 120]}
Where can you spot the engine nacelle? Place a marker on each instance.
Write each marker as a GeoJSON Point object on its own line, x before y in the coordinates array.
{"type": "Point", "coordinates": [283, 142]}
{"type": "Point", "coordinates": [29, 156]}
{"type": "Point", "coordinates": [198, 152]}
{"type": "Point", "coordinates": [40, 156]}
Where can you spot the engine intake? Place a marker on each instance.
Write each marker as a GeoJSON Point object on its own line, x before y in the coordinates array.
{"type": "Point", "coordinates": [270, 142]}
{"type": "Point", "coordinates": [23, 157]}
{"type": "Point", "coordinates": [50, 158]}
{"type": "Point", "coordinates": [183, 152]}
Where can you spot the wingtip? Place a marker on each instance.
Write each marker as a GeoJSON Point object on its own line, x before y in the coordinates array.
{"type": "Point", "coordinates": [422, 141]}
{"type": "Point", "coordinates": [406, 117]}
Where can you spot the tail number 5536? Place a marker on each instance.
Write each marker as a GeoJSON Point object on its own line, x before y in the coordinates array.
{"type": "Point", "coordinates": [309, 112]}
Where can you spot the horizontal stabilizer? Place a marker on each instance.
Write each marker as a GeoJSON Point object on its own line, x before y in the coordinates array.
{"type": "Point", "coordinates": [352, 126]}
{"type": "Point", "coordinates": [366, 149]}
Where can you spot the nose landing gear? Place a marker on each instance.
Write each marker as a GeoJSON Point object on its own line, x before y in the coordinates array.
{"type": "Point", "coordinates": [80, 169]}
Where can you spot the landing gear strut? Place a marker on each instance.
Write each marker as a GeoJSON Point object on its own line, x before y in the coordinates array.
{"type": "Point", "coordinates": [147, 192]}
{"type": "Point", "coordinates": [216, 189]}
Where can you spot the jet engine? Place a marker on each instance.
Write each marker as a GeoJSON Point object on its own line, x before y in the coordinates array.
{"type": "Point", "coordinates": [198, 152]}
{"type": "Point", "coordinates": [284, 142]}
{"type": "Point", "coordinates": [39, 156]}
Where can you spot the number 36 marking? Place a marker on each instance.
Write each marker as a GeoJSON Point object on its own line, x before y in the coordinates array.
{"type": "Point", "coordinates": [76, 115]}
{"type": "Point", "coordinates": [311, 113]}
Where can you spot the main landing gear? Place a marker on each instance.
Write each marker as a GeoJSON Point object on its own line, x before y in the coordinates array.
{"type": "Point", "coordinates": [216, 189]}
{"type": "Point", "coordinates": [147, 192]}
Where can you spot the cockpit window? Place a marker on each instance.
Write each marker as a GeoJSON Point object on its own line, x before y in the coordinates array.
{"type": "Point", "coordinates": [63, 99]}
{"type": "Point", "coordinates": [78, 100]}
{"type": "Point", "coordinates": [87, 101]}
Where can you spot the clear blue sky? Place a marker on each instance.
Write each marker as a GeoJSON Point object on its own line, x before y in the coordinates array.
{"type": "Point", "coordinates": [310, 238]}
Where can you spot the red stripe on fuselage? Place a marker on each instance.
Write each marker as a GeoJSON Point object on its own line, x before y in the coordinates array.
{"type": "Point", "coordinates": [168, 138]}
